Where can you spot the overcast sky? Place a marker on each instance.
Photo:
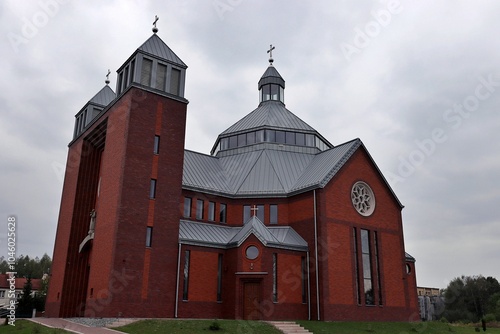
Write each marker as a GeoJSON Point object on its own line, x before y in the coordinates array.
{"type": "Point", "coordinates": [418, 82]}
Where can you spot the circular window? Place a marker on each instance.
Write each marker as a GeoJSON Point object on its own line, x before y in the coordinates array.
{"type": "Point", "coordinates": [252, 252]}
{"type": "Point", "coordinates": [408, 269]}
{"type": "Point", "coordinates": [362, 198]}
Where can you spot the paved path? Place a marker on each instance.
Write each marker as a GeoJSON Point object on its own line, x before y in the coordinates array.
{"type": "Point", "coordinates": [72, 326]}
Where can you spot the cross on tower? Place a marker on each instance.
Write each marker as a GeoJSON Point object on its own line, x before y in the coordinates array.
{"type": "Point", "coordinates": [270, 51]}
{"type": "Point", "coordinates": [155, 30]}
{"type": "Point", "coordinates": [107, 77]}
{"type": "Point", "coordinates": [254, 209]}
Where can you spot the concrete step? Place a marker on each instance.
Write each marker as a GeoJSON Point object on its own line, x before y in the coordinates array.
{"type": "Point", "coordinates": [289, 327]}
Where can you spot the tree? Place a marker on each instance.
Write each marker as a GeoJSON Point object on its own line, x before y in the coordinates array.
{"type": "Point", "coordinates": [26, 266]}
{"type": "Point", "coordinates": [470, 298]}
{"type": "Point", "coordinates": [26, 303]}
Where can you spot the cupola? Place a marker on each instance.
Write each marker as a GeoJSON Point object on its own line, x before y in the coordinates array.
{"type": "Point", "coordinates": [271, 84]}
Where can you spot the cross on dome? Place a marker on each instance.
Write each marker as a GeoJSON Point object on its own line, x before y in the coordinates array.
{"type": "Point", "coordinates": [270, 51]}
{"type": "Point", "coordinates": [155, 29]}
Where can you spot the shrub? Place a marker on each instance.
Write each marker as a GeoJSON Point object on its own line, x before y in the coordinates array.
{"type": "Point", "coordinates": [214, 326]}
{"type": "Point", "coordinates": [490, 317]}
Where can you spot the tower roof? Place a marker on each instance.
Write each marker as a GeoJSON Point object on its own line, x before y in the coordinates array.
{"type": "Point", "coordinates": [271, 75]}
{"type": "Point", "coordinates": [155, 46]}
{"type": "Point", "coordinates": [103, 97]}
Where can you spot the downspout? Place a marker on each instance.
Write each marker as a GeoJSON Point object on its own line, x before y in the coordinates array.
{"type": "Point", "coordinates": [177, 282]}
{"type": "Point", "coordinates": [308, 288]}
{"type": "Point", "coordinates": [316, 253]}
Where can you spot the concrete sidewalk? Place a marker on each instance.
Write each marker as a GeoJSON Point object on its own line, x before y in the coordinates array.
{"type": "Point", "coordinates": [72, 326]}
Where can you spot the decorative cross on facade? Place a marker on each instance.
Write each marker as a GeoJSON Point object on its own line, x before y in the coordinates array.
{"type": "Point", "coordinates": [254, 209]}
{"type": "Point", "coordinates": [155, 30]}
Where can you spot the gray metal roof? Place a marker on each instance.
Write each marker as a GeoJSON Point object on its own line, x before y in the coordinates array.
{"type": "Point", "coordinates": [271, 114]}
{"type": "Point", "coordinates": [103, 97]}
{"type": "Point", "coordinates": [218, 236]}
{"type": "Point", "coordinates": [265, 172]}
{"type": "Point", "coordinates": [271, 75]}
{"type": "Point", "coordinates": [156, 47]}
{"type": "Point", "coordinates": [325, 165]}
{"type": "Point", "coordinates": [409, 258]}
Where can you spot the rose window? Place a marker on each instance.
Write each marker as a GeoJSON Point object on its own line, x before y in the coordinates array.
{"type": "Point", "coordinates": [363, 199]}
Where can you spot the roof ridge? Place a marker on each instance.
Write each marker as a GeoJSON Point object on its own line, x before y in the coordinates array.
{"type": "Point", "coordinates": [274, 170]}
{"type": "Point", "coordinates": [236, 189]}
{"type": "Point", "coordinates": [356, 144]}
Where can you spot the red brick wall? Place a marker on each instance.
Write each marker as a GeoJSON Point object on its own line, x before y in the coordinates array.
{"type": "Point", "coordinates": [203, 276]}
{"type": "Point", "coordinates": [115, 276]}
{"type": "Point", "coordinates": [63, 230]}
{"type": "Point", "coordinates": [338, 216]}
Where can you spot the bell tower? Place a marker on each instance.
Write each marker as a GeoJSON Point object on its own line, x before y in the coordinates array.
{"type": "Point", "coordinates": [119, 215]}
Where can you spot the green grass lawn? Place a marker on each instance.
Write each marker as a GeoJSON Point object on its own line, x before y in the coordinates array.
{"type": "Point", "coordinates": [318, 327]}
{"type": "Point", "coordinates": [28, 327]}
{"type": "Point", "coordinates": [198, 326]}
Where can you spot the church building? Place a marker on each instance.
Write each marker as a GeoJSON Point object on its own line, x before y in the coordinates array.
{"type": "Point", "coordinates": [276, 223]}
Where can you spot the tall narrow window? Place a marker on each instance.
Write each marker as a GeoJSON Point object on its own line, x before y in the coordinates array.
{"type": "Point", "coordinates": [246, 213]}
{"type": "Point", "coordinates": [275, 277]}
{"type": "Point", "coordinates": [377, 267]}
{"type": "Point", "coordinates": [149, 236]}
{"type": "Point", "coordinates": [199, 208]}
{"type": "Point", "coordinates": [222, 213]}
{"type": "Point", "coordinates": [175, 78]}
{"type": "Point", "coordinates": [125, 78]}
{"type": "Point", "coordinates": [219, 279]}
{"type": "Point", "coordinates": [120, 82]}
{"type": "Point", "coordinates": [186, 276]}
{"type": "Point", "coordinates": [273, 214]}
{"type": "Point", "coordinates": [367, 267]}
{"type": "Point", "coordinates": [304, 280]}
{"type": "Point", "coordinates": [147, 67]}
{"type": "Point", "coordinates": [260, 212]}
{"type": "Point", "coordinates": [132, 70]}
{"type": "Point", "coordinates": [161, 75]}
{"type": "Point", "coordinates": [152, 189]}
{"type": "Point", "coordinates": [211, 211]}
{"type": "Point", "coordinates": [356, 266]}
{"type": "Point", "coordinates": [187, 207]}
{"type": "Point", "coordinates": [156, 146]}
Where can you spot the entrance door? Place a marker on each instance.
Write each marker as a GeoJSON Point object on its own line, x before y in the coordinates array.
{"type": "Point", "coordinates": [251, 301]}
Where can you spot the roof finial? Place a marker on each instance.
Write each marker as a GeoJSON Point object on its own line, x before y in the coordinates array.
{"type": "Point", "coordinates": [155, 30]}
{"type": "Point", "coordinates": [107, 77]}
{"type": "Point", "coordinates": [270, 51]}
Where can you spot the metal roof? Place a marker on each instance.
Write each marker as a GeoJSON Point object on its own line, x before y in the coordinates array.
{"type": "Point", "coordinates": [103, 97]}
{"type": "Point", "coordinates": [265, 172]}
{"type": "Point", "coordinates": [271, 75]}
{"type": "Point", "coordinates": [271, 114]}
{"type": "Point", "coordinates": [218, 236]}
{"type": "Point", "coordinates": [204, 172]}
{"type": "Point", "coordinates": [156, 47]}
{"type": "Point", "coordinates": [409, 258]}
{"type": "Point", "coordinates": [325, 165]}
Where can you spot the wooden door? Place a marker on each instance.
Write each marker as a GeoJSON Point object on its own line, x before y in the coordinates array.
{"type": "Point", "coordinates": [251, 301]}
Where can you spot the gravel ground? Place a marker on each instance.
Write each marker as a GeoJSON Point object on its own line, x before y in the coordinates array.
{"type": "Point", "coordinates": [93, 322]}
